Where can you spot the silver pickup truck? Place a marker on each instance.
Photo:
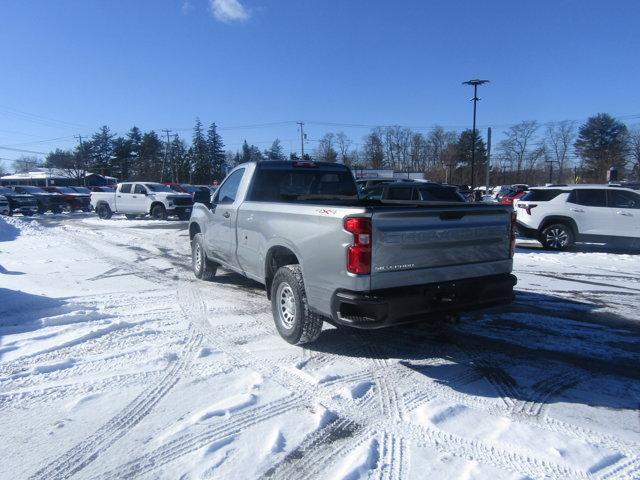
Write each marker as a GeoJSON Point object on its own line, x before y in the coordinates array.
{"type": "Point", "coordinates": [324, 254]}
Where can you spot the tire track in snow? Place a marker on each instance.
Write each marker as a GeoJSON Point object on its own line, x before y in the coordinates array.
{"type": "Point", "coordinates": [85, 452]}
{"type": "Point", "coordinates": [190, 442]}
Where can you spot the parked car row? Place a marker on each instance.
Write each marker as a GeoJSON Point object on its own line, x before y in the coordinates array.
{"type": "Point", "coordinates": [29, 200]}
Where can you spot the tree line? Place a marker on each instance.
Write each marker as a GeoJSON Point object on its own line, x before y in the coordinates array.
{"type": "Point", "coordinates": [528, 152]}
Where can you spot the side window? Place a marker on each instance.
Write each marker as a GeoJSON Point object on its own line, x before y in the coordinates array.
{"type": "Point", "coordinates": [139, 189]}
{"type": "Point", "coordinates": [399, 193]}
{"type": "Point", "coordinates": [125, 188]}
{"type": "Point", "coordinates": [622, 199]}
{"type": "Point", "coordinates": [589, 197]}
{"type": "Point", "coordinates": [229, 189]}
{"type": "Point", "coordinates": [374, 194]}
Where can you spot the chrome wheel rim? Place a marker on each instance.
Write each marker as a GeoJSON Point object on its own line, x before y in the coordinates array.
{"type": "Point", "coordinates": [286, 305]}
{"type": "Point", "coordinates": [557, 238]}
{"type": "Point", "coordinates": [197, 256]}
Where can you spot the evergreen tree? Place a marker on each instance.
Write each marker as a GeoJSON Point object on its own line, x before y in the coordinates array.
{"type": "Point", "coordinates": [250, 153]}
{"type": "Point", "coordinates": [199, 152]}
{"type": "Point", "coordinates": [180, 166]}
{"type": "Point", "coordinates": [100, 149]}
{"type": "Point", "coordinates": [151, 155]}
{"type": "Point", "coordinates": [602, 144]}
{"type": "Point", "coordinates": [275, 152]}
{"type": "Point", "coordinates": [134, 137]}
{"type": "Point", "coordinates": [121, 159]}
{"type": "Point", "coordinates": [464, 147]}
{"type": "Point", "coordinates": [216, 152]}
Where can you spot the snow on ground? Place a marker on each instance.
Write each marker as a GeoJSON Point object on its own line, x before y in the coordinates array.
{"type": "Point", "coordinates": [116, 363]}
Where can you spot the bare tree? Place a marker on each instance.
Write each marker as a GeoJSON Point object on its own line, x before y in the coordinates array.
{"type": "Point", "coordinates": [634, 152]}
{"type": "Point", "coordinates": [518, 141]}
{"type": "Point", "coordinates": [26, 164]}
{"type": "Point", "coordinates": [325, 152]}
{"type": "Point", "coordinates": [343, 147]}
{"type": "Point", "coordinates": [373, 150]}
{"type": "Point", "coordinates": [559, 141]}
{"type": "Point", "coordinates": [440, 153]}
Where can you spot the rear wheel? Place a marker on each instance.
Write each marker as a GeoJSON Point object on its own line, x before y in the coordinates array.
{"type": "Point", "coordinates": [158, 212]}
{"type": "Point", "coordinates": [203, 268]}
{"type": "Point", "coordinates": [295, 322]}
{"type": "Point", "coordinates": [557, 237]}
{"type": "Point", "coordinates": [56, 209]}
{"type": "Point", "coordinates": [104, 212]}
{"type": "Point", "coordinates": [41, 209]}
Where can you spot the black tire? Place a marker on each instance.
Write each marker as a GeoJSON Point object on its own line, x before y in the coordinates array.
{"type": "Point", "coordinates": [295, 322]}
{"type": "Point", "coordinates": [158, 212]}
{"type": "Point", "coordinates": [56, 209]}
{"type": "Point", "coordinates": [203, 268]}
{"type": "Point", "coordinates": [41, 209]}
{"type": "Point", "coordinates": [557, 236]}
{"type": "Point", "coordinates": [104, 212]}
{"type": "Point", "coordinates": [184, 216]}
{"type": "Point", "coordinates": [10, 213]}
{"type": "Point", "coordinates": [130, 216]}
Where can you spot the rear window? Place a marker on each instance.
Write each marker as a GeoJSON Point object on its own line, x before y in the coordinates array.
{"type": "Point", "coordinates": [540, 195]}
{"type": "Point", "coordinates": [302, 186]}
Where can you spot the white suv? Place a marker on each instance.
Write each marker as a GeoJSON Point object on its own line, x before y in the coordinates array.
{"type": "Point", "coordinates": [560, 215]}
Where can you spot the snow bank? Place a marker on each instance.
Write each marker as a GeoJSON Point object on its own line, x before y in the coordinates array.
{"type": "Point", "coordinates": [8, 232]}
{"type": "Point", "coordinates": [12, 227]}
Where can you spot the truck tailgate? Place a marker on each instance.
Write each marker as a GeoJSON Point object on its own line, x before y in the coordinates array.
{"type": "Point", "coordinates": [437, 243]}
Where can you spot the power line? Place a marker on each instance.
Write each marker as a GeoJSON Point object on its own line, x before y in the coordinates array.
{"type": "Point", "coordinates": [20, 150]}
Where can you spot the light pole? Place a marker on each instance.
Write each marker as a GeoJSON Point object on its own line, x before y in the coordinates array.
{"type": "Point", "coordinates": [475, 99]}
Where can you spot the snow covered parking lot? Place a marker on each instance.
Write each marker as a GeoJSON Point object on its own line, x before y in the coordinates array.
{"type": "Point", "coordinates": [115, 362]}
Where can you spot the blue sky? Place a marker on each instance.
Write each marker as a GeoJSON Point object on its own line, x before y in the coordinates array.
{"type": "Point", "coordinates": [70, 66]}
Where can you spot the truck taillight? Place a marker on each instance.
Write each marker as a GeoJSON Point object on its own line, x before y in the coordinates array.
{"type": "Point", "coordinates": [512, 249]}
{"type": "Point", "coordinates": [527, 207]}
{"type": "Point", "coordinates": [359, 252]}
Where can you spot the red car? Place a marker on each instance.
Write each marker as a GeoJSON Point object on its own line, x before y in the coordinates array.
{"type": "Point", "coordinates": [73, 199]}
{"type": "Point", "coordinates": [511, 196]}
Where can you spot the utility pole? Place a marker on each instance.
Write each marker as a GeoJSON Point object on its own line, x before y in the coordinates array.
{"type": "Point", "coordinates": [301, 140]}
{"type": "Point", "coordinates": [486, 183]}
{"type": "Point", "coordinates": [82, 163]}
{"type": "Point", "coordinates": [475, 99]}
{"type": "Point", "coordinates": [166, 153]}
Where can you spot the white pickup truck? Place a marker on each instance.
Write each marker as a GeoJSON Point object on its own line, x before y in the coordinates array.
{"type": "Point", "coordinates": [141, 198]}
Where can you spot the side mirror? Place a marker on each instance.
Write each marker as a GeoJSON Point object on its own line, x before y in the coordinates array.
{"type": "Point", "coordinates": [202, 197]}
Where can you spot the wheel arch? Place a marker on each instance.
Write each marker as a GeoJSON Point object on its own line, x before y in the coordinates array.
{"type": "Point", "coordinates": [156, 203]}
{"type": "Point", "coordinates": [277, 256]}
{"type": "Point", "coordinates": [550, 220]}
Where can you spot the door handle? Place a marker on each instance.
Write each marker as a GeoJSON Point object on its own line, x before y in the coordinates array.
{"type": "Point", "coordinates": [625, 214]}
{"type": "Point", "coordinates": [226, 214]}
{"type": "Point", "coordinates": [119, 196]}
{"type": "Point", "coordinates": [579, 210]}
{"type": "Point", "coordinates": [134, 196]}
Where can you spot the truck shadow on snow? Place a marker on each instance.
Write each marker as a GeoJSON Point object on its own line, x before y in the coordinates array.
{"type": "Point", "coordinates": [537, 351]}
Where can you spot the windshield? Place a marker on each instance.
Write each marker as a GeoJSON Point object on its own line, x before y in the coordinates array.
{"type": "Point", "coordinates": [193, 188]}
{"type": "Point", "coordinates": [81, 189]}
{"type": "Point", "coordinates": [157, 187]}
{"type": "Point", "coordinates": [302, 185]}
{"type": "Point", "coordinates": [5, 191]}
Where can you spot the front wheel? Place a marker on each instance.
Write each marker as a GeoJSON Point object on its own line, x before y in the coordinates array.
{"type": "Point", "coordinates": [158, 212]}
{"type": "Point", "coordinates": [557, 237]}
{"type": "Point", "coordinates": [203, 268]}
{"type": "Point", "coordinates": [295, 322]}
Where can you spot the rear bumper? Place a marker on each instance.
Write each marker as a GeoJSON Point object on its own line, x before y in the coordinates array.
{"type": "Point", "coordinates": [383, 308]}
{"type": "Point", "coordinates": [526, 231]}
